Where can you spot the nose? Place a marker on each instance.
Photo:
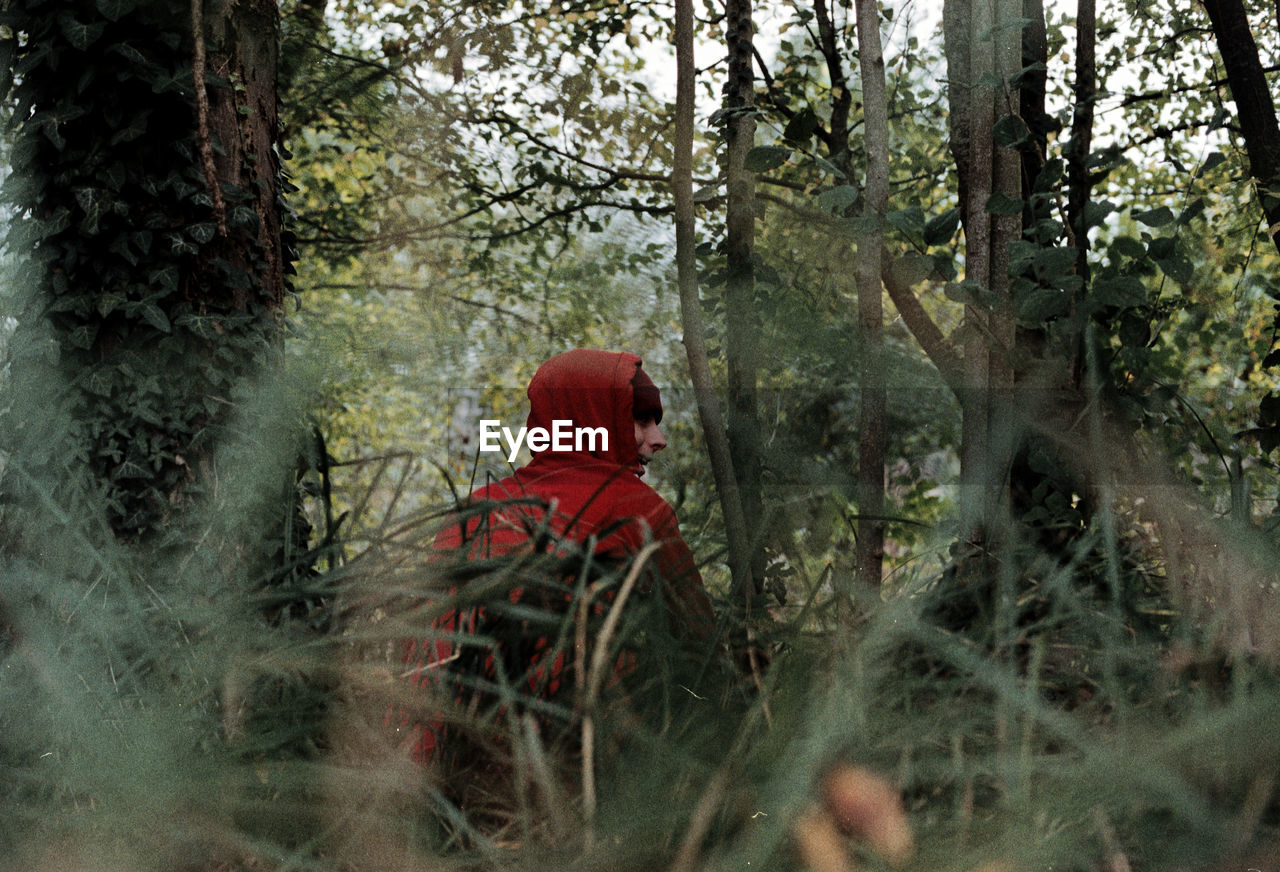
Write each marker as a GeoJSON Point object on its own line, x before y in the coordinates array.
{"type": "Point", "coordinates": [654, 437]}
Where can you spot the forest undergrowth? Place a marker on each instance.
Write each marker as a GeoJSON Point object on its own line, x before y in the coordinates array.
{"type": "Point", "coordinates": [1109, 702]}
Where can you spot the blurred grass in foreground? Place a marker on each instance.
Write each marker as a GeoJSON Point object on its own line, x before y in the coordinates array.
{"type": "Point", "coordinates": [1110, 705]}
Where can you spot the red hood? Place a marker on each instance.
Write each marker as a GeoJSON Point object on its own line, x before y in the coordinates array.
{"type": "Point", "coordinates": [590, 388]}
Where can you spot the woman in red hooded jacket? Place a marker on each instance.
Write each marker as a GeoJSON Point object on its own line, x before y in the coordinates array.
{"type": "Point", "coordinates": [587, 497]}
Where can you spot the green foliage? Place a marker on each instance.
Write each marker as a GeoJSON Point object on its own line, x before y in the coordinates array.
{"type": "Point", "coordinates": [1098, 688]}
{"type": "Point", "coordinates": [136, 317]}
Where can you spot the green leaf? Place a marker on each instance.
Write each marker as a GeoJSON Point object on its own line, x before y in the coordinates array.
{"type": "Point", "coordinates": [836, 200]}
{"type": "Point", "coordinates": [1134, 331]}
{"type": "Point", "coordinates": [971, 293]}
{"type": "Point", "coordinates": [1212, 162]}
{"type": "Point", "coordinates": [706, 193]}
{"type": "Point", "coordinates": [912, 268]}
{"type": "Point", "coordinates": [114, 10]}
{"type": "Point", "coordinates": [763, 158]}
{"type": "Point", "coordinates": [1119, 291]}
{"type": "Point", "coordinates": [1051, 264]}
{"type": "Point", "coordinates": [1155, 217]}
{"type": "Point", "coordinates": [79, 34]}
{"type": "Point", "coordinates": [1010, 131]}
{"type": "Point", "coordinates": [1001, 203]}
{"type": "Point", "coordinates": [203, 233]}
{"type": "Point", "coordinates": [942, 227]}
{"type": "Point", "coordinates": [153, 315]}
{"type": "Point", "coordinates": [136, 127]}
{"type": "Point", "coordinates": [1177, 267]}
{"type": "Point", "coordinates": [83, 335]}
{"type": "Point", "coordinates": [910, 220]}
{"type": "Point", "coordinates": [802, 126]}
{"type": "Point", "coordinates": [1269, 409]}
{"type": "Point", "coordinates": [1018, 79]}
{"type": "Point", "coordinates": [1193, 211]}
{"type": "Point", "coordinates": [1096, 211]}
{"type": "Point", "coordinates": [165, 278]}
{"type": "Point", "coordinates": [829, 168]}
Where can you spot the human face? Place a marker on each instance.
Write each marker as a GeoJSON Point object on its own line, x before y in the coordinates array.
{"type": "Point", "coordinates": [649, 441]}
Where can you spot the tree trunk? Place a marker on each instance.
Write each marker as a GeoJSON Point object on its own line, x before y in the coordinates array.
{"type": "Point", "coordinates": [1255, 110]}
{"type": "Point", "coordinates": [156, 268]}
{"type": "Point", "coordinates": [1079, 184]}
{"type": "Point", "coordinates": [742, 326]}
{"type": "Point", "coordinates": [870, 268]}
{"type": "Point", "coordinates": [1256, 115]}
{"type": "Point", "coordinates": [713, 429]}
{"type": "Point", "coordinates": [983, 46]}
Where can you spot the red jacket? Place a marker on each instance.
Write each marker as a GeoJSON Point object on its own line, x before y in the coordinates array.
{"type": "Point", "coordinates": [590, 490]}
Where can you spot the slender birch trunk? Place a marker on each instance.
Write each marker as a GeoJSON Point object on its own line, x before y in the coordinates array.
{"type": "Point", "coordinates": [870, 269]}
{"type": "Point", "coordinates": [691, 307]}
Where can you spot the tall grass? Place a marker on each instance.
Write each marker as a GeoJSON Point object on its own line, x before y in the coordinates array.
{"type": "Point", "coordinates": [1108, 703]}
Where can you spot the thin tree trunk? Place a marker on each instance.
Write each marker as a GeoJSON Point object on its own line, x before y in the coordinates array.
{"type": "Point", "coordinates": [1079, 185]}
{"type": "Point", "coordinates": [870, 269]}
{"type": "Point", "coordinates": [1255, 109]}
{"type": "Point", "coordinates": [742, 328]}
{"type": "Point", "coordinates": [691, 306]}
{"type": "Point", "coordinates": [982, 48]}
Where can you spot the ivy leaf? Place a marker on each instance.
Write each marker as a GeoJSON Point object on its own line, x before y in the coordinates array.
{"type": "Point", "coordinates": [204, 232]}
{"type": "Point", "coordinates": [942, 227]}
{"type": "Point", "coordinates": [130, 469]}
{"type": "Point", "coordinates": [83, 335]}
{"type": "Point", "coordinates": [153, 315]}
{"type": "Point", "coordinates": [79, 34]}
{"type": "Point", "coordinates": [1001, 203]}
{"type": "Point", "coordinates": [1134, 331]}
{"type": "Point", "coordinates": [98, 381]}
{"type": "Point", "coordinates": [243, 216]}
{"type": "Point", "coordinates": [763, 158]}
{"type": "Point", "coordinates": [165, 278]}
{"type": "Point", "coordinates": [129, 53]}
{"type": "Point", "coordinates": [136, 127]}
{"type": "Point", "coordinates": [1155, 217]}
{"type": "Point", "coordinates": [1022, 76]}
{"type": "Point", "coordinates": [114, 10]}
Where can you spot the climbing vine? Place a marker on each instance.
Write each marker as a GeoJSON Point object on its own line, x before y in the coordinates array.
{"type": "Point", "coordinates": [147, 290]}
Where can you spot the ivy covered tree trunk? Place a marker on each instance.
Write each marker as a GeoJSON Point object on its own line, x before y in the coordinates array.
{"type": "Point", "coordinates": [146, 180]}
